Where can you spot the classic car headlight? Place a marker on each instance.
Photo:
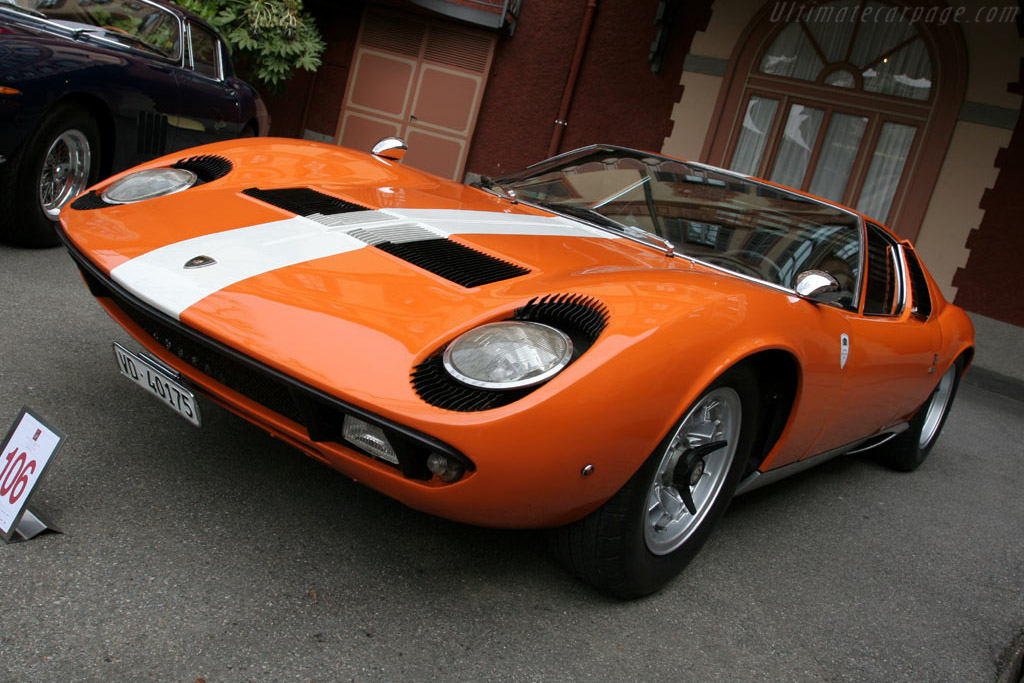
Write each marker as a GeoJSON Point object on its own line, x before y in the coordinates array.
{"type": "Point", "coordinates": [155, 182]}
{"type": "Point", "coordinates": [508, 355]}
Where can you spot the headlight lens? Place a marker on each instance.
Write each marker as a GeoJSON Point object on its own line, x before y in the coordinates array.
{"type": "Point", "coordinates": [508, 355]}
{"type": "Point", "coordinates": [155, 182]}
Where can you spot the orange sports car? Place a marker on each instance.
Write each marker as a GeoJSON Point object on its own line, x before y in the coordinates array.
{"type": "Point", "coordinates": [610, 344]}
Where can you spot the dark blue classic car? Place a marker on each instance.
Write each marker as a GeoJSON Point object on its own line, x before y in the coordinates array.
{"type": "Point", "coordinates": [90, 87]}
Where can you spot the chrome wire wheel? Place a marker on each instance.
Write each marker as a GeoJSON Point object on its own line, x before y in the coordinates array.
{"type": "Point", "coordinates": [938, 404]}
{"type": "Point", "coordinates": [65, 172]}
{"type": "Point", "coordinates": [693, 470]}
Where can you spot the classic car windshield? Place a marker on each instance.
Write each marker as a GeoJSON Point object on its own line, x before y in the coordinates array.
{"type": "Point", "coordinates": [722, 219]}
{"type": "Point", "coordinates": [137, 24]}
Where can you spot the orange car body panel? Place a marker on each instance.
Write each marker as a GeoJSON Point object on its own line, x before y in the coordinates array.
{"type": "Point", "coordinates": [354, 324]}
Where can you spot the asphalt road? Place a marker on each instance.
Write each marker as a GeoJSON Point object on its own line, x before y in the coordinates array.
{"type": "Point", "coordinates": [222, 554]}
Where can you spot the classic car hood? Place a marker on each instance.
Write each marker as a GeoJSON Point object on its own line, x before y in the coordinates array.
{"type": "Point", "coordinates": [362, 281]}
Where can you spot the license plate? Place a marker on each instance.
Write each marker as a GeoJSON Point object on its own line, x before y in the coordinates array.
{"type": "Point", "coordinates": [160, 382]}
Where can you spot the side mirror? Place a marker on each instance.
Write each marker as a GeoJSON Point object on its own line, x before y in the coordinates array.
{"type": "Point", "coordinates": [390, 148]}
{"type": "Point", "coordinates": [813, 283]}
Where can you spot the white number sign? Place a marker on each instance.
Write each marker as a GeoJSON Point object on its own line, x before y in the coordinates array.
{"type": "Point", "coordinates": [26, 452]}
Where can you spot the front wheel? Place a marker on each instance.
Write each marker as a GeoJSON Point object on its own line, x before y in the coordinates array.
{"type": "Point", "coordinates": [647, 532]}
{"type": "Point", "coordinates": [57, 162]}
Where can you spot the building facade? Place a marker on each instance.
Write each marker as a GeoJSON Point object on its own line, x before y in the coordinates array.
{"type": "Point", "coordinates": [908, 110]}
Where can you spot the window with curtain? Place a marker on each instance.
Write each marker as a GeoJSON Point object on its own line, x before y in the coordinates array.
{"type": "Point", "coordinates": [835, 106]}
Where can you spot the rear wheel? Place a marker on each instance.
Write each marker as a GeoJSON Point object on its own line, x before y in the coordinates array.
{"type": "Point", "coordinates": [907, 451]}
{"type": "Point", "coordinates": [57, 162]}
{"type": "Point", "coordinates": [648, 531]}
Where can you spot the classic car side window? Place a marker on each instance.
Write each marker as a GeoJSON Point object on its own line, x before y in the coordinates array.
{"type": "Point", "coordinates": [883, 294]}
{"type": "Point", "coordinates": [205, 52]}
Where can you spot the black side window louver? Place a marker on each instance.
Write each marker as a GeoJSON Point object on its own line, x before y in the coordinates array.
{"type": "Point", "coordinates": [918, 286]}
{"type": "Point", "coordinates": [303, 201]}
{"type": "Point", "coordinates": [581, 317]}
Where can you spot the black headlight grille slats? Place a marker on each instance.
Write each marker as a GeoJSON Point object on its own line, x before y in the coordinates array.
{"type": "Point", "coordinates": [88, 201]}
{"type": "Point", "coordinates": [453, 261]}
{"type": "Point", "coordinates": [207, 167]}
{"type": "Point", "coordinates": [581, 317]}
{"type": "Point", "coordinates": [303, 201]}
{"type": "Point", "coordinates": [435, 386]}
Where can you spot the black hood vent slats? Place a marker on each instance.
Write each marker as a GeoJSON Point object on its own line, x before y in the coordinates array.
{"type": "Point", "coordinates": [453, 261]}
{"type": "Point", "coordinates": [303, 201]}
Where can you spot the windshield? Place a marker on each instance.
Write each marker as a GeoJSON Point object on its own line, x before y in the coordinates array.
{"type": "Point", "coordinates": [133, 23]}
{"type": "Point", "coordinates": [719, 218]}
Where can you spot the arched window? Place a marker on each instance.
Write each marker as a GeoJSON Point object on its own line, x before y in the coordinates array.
{"type": "Point", "coordinates": [828, 100]}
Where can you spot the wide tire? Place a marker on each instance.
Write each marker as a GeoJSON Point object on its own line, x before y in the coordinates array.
{"type": "Point", "coordinates": [646, 533]}
{"type": "Point", "coordinates": [58, 161]}
{"type": "Point", "coordinates": [907, 451]}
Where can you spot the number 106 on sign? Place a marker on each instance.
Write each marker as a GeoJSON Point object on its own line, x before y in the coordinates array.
{"type": "Point", "coordinates": [24, 455]}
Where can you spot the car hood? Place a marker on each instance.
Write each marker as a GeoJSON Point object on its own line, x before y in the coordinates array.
{"type": "Point", "coordinates": [352, 283]}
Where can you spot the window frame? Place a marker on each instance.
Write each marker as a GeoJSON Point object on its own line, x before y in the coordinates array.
{"type": "Point", "coordinates": [218, 52]}
{"type": "Point", "coordinates": [935, 119]}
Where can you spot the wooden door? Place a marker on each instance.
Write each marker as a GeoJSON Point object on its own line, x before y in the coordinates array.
{"type": "Point", "coordinates": [421, 80]}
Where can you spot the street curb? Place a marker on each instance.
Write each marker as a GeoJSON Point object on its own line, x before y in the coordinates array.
{"type": "Point", "coordinates": [995, 382]}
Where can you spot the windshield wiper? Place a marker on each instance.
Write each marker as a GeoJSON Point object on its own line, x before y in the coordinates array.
{"type": "Point", "coordinates": [584, 213]}
{"type": "Point", "coordinates": [485, 183]}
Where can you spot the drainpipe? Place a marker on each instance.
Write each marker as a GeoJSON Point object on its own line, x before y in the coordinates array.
{"type": "Point", "coordinates": [574, 72]}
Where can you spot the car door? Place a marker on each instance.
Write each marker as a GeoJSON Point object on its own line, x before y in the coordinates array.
{"type": "Point", "coordinates": [889, 354]}
{"type": "Point", "coordinates": [209, 107]}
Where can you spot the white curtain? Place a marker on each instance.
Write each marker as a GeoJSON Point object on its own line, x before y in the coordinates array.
{"type": "Point", "coordinates": [797, 143]}
{"type": "Point", "coordinates": [885, 170]}
{"type": "Point", "coordinates": [757, 122]}
{"type": "Point", "coordinates": [832, 27]}
{"type": "Point", "coordinates": [792, 55]}
{"type": "Point", "coordinates": [842, 140]}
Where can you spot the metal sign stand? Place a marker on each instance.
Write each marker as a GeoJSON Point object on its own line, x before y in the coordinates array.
{"type": "Point", "coordinates": [31, 526]}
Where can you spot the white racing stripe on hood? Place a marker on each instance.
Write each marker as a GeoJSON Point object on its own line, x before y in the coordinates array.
{"type": "Point", "coordinates": [457, 222]}
{"type": "Point", "coordinates": [160, 278]}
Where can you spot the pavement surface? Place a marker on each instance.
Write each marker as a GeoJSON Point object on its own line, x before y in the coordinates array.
{"type": "Point", "coordinates": [224, 555]}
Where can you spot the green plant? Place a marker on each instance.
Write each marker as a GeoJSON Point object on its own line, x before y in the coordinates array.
{"type": "Point", "coordinates": [268, 38]}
